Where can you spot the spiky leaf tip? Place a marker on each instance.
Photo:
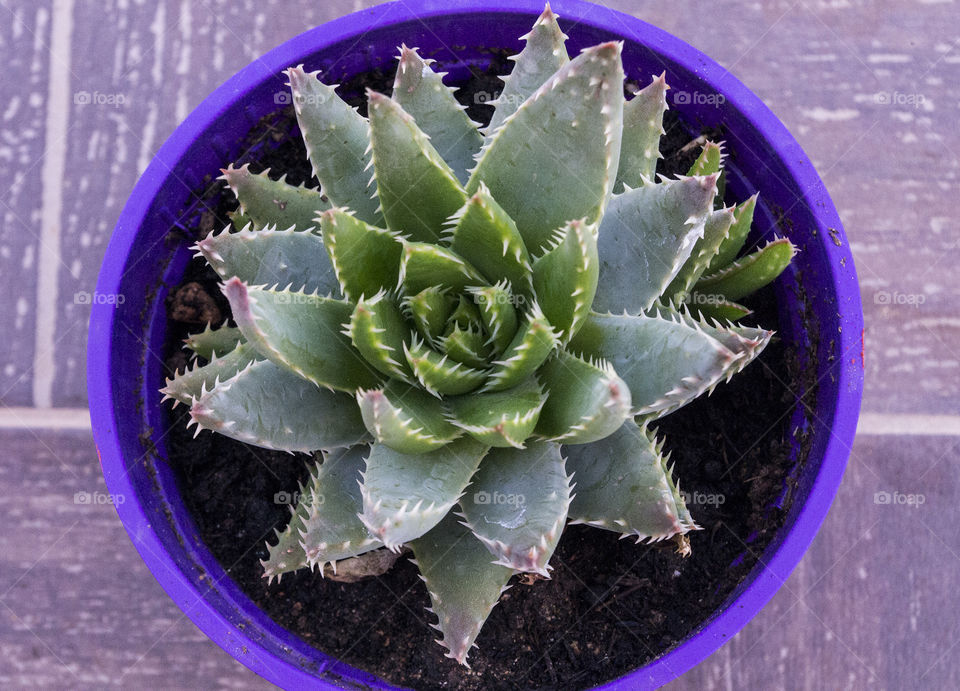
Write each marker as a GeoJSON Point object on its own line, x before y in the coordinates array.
{"type": "Point", "coordinates": [406, 418]}
{"type": "Point", "coordinates": [405, 495]}
{"type": "Point", "coordinates": [302, 333]}
{"type": "Point", "coordinates": [378, 332]}
{"type": "Point", "coordinates": [749, 274]}
{"type": "Point", "coordinates": [517, 505]}
{"type": "Point", "coordinates": [534, 342]}
{"type": "Point", "coordinates": [421, 92]}
{"type": "Point", "coordinates": [500, 419]}
{"type": "Point", "coordinates": [440, 374]}
{"type": "Point", "coordinates": [336, 137]}
{"type": "Point", "coordinates": [418, 191]}
{"type": "Point", "coordinates": [463, 583]}
{"type": "Point", "coordinates": [268, 202]}
{"type": "Point", "coordinates": [566, 136]}
{"type": "Point", "coordinates": [586, 401]}
{"type": "Point", "coordinates": [642, 129]}
{"type": "Point", "coordinates": [565, 277]}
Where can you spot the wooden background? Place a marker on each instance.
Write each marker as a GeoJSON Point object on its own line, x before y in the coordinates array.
{"type": "Point", "coordinates": [871, 90]}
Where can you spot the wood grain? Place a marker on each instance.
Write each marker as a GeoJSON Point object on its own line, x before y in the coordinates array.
{"type": "Point", "coordinates": [78, 608]}
{"type": "Point", "coordinates": [871, 91]}
{"type": "Point", "coordinates": [24, 32]}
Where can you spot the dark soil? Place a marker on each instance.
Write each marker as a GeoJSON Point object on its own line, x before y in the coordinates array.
{"type": "Point", "coordinates": [611, 605]}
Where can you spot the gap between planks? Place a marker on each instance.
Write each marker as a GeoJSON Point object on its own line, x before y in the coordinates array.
{"type": "Point", "coordinates": [51, 204]}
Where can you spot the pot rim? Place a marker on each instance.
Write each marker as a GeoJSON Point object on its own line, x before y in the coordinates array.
{"type": "Point", "coordinates": [767, 576]}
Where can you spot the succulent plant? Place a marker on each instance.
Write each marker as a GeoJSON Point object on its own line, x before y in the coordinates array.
{"type": "Point", "coordinates": [499, 309]}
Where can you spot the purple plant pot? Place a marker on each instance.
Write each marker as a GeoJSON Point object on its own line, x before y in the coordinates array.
{"type": "Point", "coordinates": [126, 342]}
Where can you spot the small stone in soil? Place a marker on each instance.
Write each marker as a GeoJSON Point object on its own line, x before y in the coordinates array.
{"type": "Point", "coordinates": [194, 305]}
{"type": "Point", "coordinates": [375, 563]}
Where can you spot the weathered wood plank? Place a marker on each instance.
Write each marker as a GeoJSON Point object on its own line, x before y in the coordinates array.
{"type": "Point", "coordinates": [78, 607]}
{"type": "Point", "coordinates": [24, 34]}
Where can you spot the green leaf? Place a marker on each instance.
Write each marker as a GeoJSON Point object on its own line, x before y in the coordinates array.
{"type": "Point", "coordinates": [336, 137]}
{"type": "Point", "coordinates": [288, 258]}
{"type": "Point", "coordinates": [497, 313]}
{"type": "Point", "coordinates": [267, 202]}
{"type": "Point", "coordinates": [378, 332]}
{"type": "Point", "coordinates": [466, 345]}
{"type": "Point", "coordinates": [623, 484]}
{"type": "Point", "coordinates": [195, 382]}
{"type": "Point", "coordinates": [565, 141]}
{"type": "Point", "coordinates": [745, 342]}
{"type": "Point", "coordinates": [287, 554]}
{"type": "Point", "coordinates": [429, 310]}
{"type": "Point", "coordinates": [666, 362]}
{"type": "Point", "coordinates": [210, 341]}
{"type": "Point", "coordinates": [466, 314]}
{"type": "Point", "coordinates": [543, 54]}
{"type": "Point", "coordinates": [751, 273]}
{"type": "Point", "coordinates": [333, 529]}
{"type": "Point", "coordinates": [421, 92]}
{"type": "Point", "coordinates": [424, 265]}
{"type": "Point", "coordinates": [586, 401]}
{"type": "Point", "coordinates": [642, 128]}
{"type": "Point", "coordinates": [565, 277]}
{"type": "Point", "coordinates": [325, 526]}
{"type": "Point", "coordinates": [501, 419]}
{"type": "Point", "coordinates": [736, 237]}
{"type": "Point", "coordinates": [464, 585]}
{"type": "Point", "coordinates": [714, 230]}
{"type": "Point", "coordinates": [366, 258]}
{"type": "Point", "coordinates": [484, 235]}
{"type": "Point", "coordinates": [646, 236]}
{"type": "Point", "coordinates": [709, 161]}
{"type": "Point", "coordinates": [529, 349]}
{"type": "Point", "coordinates": [517, 505]}
{"type": "Point", "coordinates": [302, 417]}
{"type": "Point", "coordinates": [302, 333]}
{"type": "Point", "coordinates": [238, 220]}
{"type": "Point", "coordinates": [405, 495]}
{"type": "Point", "coordinates": [418, 191]}
{"type": "Point", "coordinates": [711, 307]}
{"type": "Point", "coordinates": [406, 418]}
{"type": "Point", "coordinates": [439, 374]}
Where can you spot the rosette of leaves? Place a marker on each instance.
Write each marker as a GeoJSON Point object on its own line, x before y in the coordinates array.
{"type": "Point", "coordinates": [463, 323]}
